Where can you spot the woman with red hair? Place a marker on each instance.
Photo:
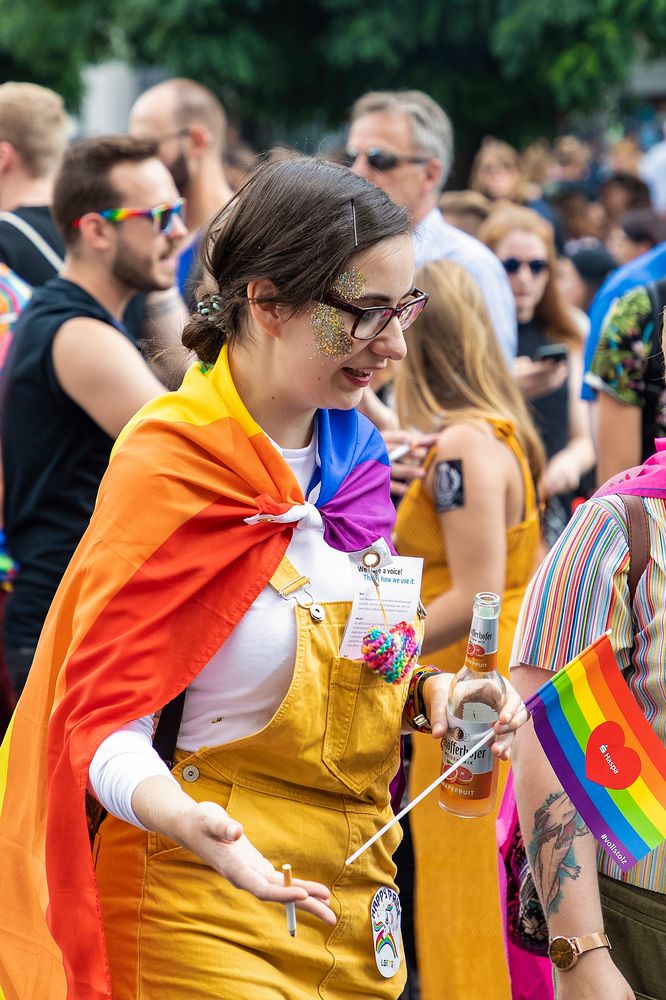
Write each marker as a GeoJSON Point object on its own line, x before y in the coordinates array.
{"type": "Point", "coordinates": [549, 338]}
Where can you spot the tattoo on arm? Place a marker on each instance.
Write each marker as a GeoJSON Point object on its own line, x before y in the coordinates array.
{"type": "Point", "coordinates": [449, 486]}
{"type": "Point", "coordinates": [551, 849]}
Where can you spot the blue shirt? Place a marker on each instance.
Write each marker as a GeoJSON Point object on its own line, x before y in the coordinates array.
{"type": "Point", "coordinates": [186, 276]}
{"type": "Point", "coordinates": [650, 266]}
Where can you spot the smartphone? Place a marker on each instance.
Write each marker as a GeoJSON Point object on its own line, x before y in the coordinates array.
{"type": "Point", "coordinates": [551, 352]}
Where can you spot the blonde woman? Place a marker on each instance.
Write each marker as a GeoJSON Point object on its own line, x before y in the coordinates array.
{"type": "Point", "coordinates": [473, 519]}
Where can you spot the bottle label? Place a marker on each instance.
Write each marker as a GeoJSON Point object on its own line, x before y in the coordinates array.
{"type": "Point", "coordinates": [473, 779]}
{"type": "Point", "coordinates": [481, 654]}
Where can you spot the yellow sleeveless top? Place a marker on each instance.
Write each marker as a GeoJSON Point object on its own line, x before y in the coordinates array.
{"type": "Point", "coordinates": [418, 533]}
{"type": "Point", "coordinates": [457, 904]}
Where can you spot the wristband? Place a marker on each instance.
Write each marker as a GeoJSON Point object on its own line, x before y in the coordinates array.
{"type": "Point", "coordinates": [415, 711]}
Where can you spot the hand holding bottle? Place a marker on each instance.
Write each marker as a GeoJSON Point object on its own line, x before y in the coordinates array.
{"type": "Point", "coordinates": [513, 713]}
{"type": "Point", "coordinates": [478, 700]}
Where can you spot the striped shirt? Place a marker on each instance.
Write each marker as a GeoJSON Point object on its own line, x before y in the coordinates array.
{"type": "Point", "coordinates": [579, 591]}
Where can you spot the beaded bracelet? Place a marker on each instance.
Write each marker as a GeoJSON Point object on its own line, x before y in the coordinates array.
{"type": "Point", "coordinates": [415, 713]}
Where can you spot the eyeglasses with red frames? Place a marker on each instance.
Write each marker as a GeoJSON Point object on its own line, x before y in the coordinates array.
{"type": "Point", "coordinates": [369, 322]}
{"type": "Point", "coordinates": [162, 216]}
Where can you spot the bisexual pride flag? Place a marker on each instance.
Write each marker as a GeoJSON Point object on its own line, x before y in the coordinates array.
{"type": "Point", "coordinates": [607, 756]}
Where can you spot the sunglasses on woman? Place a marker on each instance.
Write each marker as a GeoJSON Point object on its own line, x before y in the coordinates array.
{"type": "Point", "coordinates": [379, 159]}
{"type": "Point", "coordinates": [512, 265]}
{"type": "Point", "coordinates": [162, 216]}
{"type": "Point", "coordinates": [370, 322]}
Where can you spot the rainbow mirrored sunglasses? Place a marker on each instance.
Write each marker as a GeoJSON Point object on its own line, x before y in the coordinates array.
{"type": "Point", "coordinates": [162, 215]}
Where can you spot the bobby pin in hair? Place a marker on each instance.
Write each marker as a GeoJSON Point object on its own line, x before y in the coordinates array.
{"type": "Point", "coordinates": [353, 208]}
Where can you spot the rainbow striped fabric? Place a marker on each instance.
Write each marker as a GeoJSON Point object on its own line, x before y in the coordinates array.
{"type": "Point", "coordinates": [192, 519]}
{"type": "Point", "coordinates": [606, 755]}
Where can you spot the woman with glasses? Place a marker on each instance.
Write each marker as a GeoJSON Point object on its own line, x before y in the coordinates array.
{"type": "Point", "coordinates": [549, 363]}
{"type": "Point", "coordinates": [191, 666]}
{"type": "Point", "coordinates": [473, 520]}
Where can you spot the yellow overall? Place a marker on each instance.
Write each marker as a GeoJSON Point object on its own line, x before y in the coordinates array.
{"type": "Point", "coordinates": [309, 789]}
{"type": "Point", "coordinates": [457, 907]}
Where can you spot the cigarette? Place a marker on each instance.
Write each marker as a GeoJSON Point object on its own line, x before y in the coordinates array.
{"type": "Point", "coordinates": [399, 452]}
{"type": "Point", "coordinates": [289, 907]}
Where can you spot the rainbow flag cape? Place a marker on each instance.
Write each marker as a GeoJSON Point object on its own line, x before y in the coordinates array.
{"type": "Point", "coordinates": [193, 517]}
{"type": "Point", "coordinates": [607, 756]}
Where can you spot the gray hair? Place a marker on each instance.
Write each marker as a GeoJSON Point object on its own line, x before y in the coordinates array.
{"type": "Point", "coordinates": [432, 132]}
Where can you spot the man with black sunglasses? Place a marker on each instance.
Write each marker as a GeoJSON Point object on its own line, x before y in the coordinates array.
{"type": "Point", "coordinates": [402, 141]}
{"type": "Point", "coordinates": [74, 375]}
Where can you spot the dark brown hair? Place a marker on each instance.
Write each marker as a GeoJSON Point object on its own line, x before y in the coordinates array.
{"type": "Point", "coordinates": [296, 222]}
{"type": "Point", "coordinates": [83, 183]}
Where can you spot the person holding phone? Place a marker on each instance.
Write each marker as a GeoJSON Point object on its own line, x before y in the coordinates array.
{"type": "Point", "coordinates": [549, 363]}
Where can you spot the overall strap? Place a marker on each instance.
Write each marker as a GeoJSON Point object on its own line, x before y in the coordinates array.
{"type": "Point", "coordinates": [33, 237]}
{"type": "Point", "coordinates": [505, 430]}
{"type": "Point", "coordinates": [168, 727]}
{"type": "Point", "coordinates": [286, 579]}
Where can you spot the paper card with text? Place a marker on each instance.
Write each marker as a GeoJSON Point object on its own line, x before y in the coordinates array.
{"type": "Point", "coordinates": [400, 591]}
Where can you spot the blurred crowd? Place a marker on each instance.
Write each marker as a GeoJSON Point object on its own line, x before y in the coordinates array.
{"type": "Point", "coordinates": [537, 366]}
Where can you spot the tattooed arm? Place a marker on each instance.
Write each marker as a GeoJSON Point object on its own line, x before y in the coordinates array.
{"type": "Point", "coordinates": [563, 859]}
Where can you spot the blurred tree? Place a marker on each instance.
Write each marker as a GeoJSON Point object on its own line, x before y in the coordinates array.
{"type": "Point", "coordinates": [50, 44]}
{"type": "Point", "coordinates": [509, 67]}
{"type": "Point", "coordinates": [513, 68]}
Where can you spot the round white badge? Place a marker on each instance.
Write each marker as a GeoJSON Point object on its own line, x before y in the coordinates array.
{"type": "Point", "coordinates": [385, 913]}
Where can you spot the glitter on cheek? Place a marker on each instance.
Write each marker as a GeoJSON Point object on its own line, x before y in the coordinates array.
{"type": "Point", "coordinates": [350, 284]}
{"type": "Point", "coordinates": [331, 338]}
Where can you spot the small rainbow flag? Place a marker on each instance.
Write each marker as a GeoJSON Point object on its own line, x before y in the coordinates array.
{"type": "Point", "coordinates": [607, 756]}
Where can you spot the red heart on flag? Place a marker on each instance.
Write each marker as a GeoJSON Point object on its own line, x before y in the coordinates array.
{"type": "Point", "coordinates": [608, 761]}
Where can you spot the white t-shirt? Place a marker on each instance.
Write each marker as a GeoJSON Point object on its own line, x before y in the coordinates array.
{"type": "Point", "coordinates": [244, 682]}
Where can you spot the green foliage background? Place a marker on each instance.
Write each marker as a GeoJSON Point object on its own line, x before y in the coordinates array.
{"type": "Point", "coordinates": [514, 68]}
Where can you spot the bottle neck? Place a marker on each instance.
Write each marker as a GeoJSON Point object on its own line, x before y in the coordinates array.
{"type": "Point", "coordinates": [481, 655]}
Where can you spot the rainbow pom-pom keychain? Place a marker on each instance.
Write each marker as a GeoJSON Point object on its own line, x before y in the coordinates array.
{"type": "Point", "coordinates": [393, 650]}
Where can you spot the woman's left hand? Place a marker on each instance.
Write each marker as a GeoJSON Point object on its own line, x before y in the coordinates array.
{"type": "Point", "coordinates": [513, 713]}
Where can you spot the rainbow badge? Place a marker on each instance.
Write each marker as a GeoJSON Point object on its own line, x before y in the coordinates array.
{"type": "Point", "coordinates": [607, 756]}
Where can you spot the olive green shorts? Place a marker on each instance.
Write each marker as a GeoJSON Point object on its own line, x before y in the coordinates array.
{"type": "Point", "coordinates": [635, 921]}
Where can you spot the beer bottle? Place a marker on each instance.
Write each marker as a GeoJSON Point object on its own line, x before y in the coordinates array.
{"type": "Point", "coordinates": [475, 700]}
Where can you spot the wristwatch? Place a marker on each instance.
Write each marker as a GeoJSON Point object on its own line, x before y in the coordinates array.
{"type": "Point", "coordinates": [421, 720]}
{"type": "Point", "coordinates": [564, 952]}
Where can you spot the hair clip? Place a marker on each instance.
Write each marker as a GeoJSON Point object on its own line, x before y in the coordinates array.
{"type": "Point", "coordinates": [208, 306]}
{"type": "Point", "coordinates": [353, 208]}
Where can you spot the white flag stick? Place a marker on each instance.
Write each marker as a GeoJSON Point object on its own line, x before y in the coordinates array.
{"type": "Point", "coordinates": [426, 791]}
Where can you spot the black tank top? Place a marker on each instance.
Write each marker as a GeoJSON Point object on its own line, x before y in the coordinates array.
{"type": "Point", "coordinates": [550, 412]}
{"type": "Point", "coordinates": [54, 456]}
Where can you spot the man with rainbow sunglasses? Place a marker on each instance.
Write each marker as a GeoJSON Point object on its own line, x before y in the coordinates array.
{"type": "Point", "coordinates": [74, 375]}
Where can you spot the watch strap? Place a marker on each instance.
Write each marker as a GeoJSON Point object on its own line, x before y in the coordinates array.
{"type": "Point", "coordinates": [587, 942]}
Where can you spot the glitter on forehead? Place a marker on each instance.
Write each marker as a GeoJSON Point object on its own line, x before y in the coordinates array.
{"type": "Point", "coordinates": [350, 284]}
{"type": "Point", "coordinates": [330, 335]}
